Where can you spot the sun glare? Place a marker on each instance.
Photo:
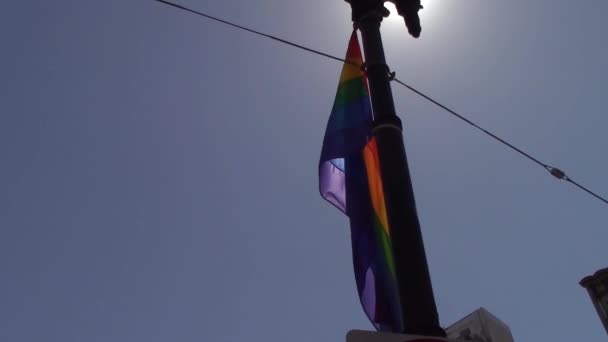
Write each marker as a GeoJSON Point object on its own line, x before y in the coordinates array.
{"type": "Point", "coordinates": [429, 11]}
{"type": "Point", "coordinates": [426, 14]}
{"type": "Point", "coordinates": [394, 17]}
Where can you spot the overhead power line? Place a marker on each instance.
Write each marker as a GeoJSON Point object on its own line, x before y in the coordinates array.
{"type": "Point", "coordinates": [280, 40]}
{"type": "Point", "coordinates": [554, 171]}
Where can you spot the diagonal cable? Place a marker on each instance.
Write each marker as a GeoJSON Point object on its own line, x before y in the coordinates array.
{"type": "Point", "coordinates": [302, 47]}
{"type": "Point", "coordinates": [554, 171]}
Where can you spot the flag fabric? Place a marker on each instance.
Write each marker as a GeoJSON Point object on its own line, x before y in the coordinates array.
{"type": "Point", "coordinates": [349, 178]}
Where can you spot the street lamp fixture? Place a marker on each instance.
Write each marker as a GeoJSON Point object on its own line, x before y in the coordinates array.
{"type": "Point", "coordinates": [408, 9]}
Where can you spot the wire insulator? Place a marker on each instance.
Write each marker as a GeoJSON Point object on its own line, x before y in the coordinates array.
{"type": "Point", "coordinates": [557, 173]}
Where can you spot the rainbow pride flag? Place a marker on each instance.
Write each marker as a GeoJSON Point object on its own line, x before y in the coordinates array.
{"type": "Point", "coordinates": [349, 178]}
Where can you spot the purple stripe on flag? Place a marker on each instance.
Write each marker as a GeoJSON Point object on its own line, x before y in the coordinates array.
{"type": "Point", "coordinates": [368, 295]}
{"type": "Point", "coordinates": [332, 185]}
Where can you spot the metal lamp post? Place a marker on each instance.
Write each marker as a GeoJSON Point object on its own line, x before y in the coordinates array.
{"type": "Point", "coordinates": [417, 301]}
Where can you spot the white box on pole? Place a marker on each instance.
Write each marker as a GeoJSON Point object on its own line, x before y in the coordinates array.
{"type": "Point", "coordinates": [373, 336]}
{"type": "Point", "coordinates": [480, 326]}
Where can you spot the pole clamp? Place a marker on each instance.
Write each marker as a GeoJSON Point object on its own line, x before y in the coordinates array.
{"type": "Point", "coordinates": [362, 10]}
{"type": "Point", "coordinates": [391, 74]}
{"type": "Point", "coordinates": [392, 122]}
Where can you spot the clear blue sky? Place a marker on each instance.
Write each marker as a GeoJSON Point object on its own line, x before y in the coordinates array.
{"type": "Point", "coordinates": [158, 172]}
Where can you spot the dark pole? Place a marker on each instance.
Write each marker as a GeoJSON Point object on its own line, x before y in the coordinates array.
{"type": "Point", "coordinates": [418, 307]}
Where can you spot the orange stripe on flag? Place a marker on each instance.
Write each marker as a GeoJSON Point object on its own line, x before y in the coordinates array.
{"type": "Point", "coordinates": [372, 165]}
